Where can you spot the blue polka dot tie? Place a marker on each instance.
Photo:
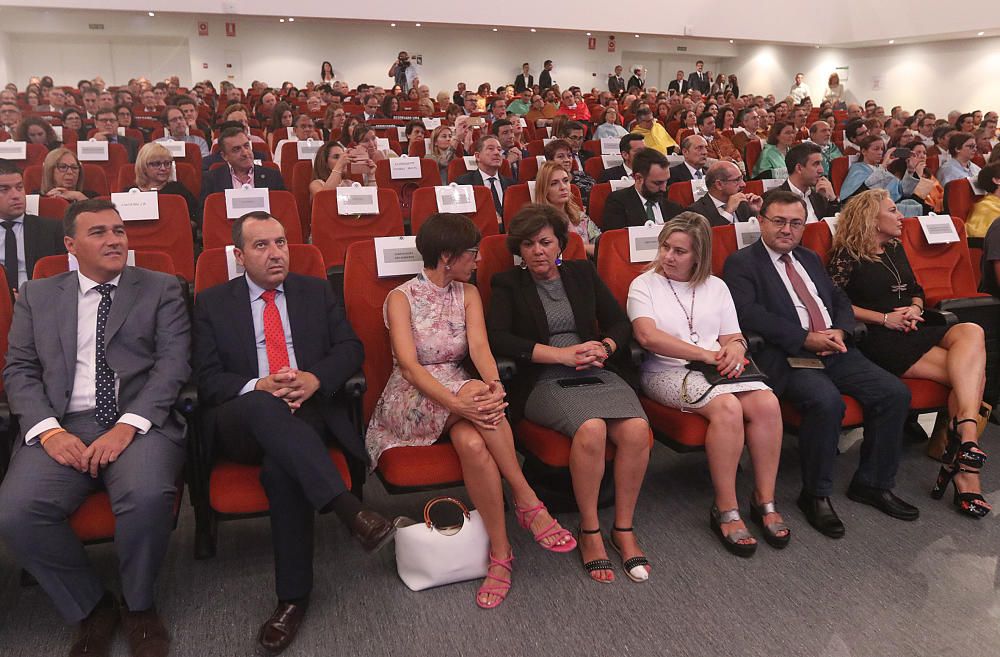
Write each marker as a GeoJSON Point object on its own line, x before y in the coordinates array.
{"type": "Point", "coordinates": [107, 406]}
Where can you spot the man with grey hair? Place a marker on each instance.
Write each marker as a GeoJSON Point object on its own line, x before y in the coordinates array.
{"type": "Point", "coordinates": [820, 133]}
{"type": "Point", "coordinates": [694, 148]}
{"type": "Point", "coordinates": [726, 202]}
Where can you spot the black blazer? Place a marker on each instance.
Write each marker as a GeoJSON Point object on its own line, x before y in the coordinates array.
{"type": "Point", "coordinates": [680, 85]}
{"type": "Point", "coordinates": [705, 206]}
{"type": "Point", "coordinates": [474, 178]}
{"type": "Point", "coordinates": [699, 82]}
{"type": "Point", "coordinates": [765, 307]}
{"type": "Point", "coordinates": [520, 84]}
{"type": "Point", "coordinates": [635, 81]}
{"type": "Point", "coordinates": [131, 146]}
{"type": "Point", "coordinates": [516, 322]}
{"type": "Point", "coordinates": [221, 179]}
{"type": "Point", "coordinates": [616, 84]}
{"type": "Point", "coordinates": [544, 80]}
{"type": "Point", "coordinates": [821, 206]}
{"type": "Point", "coordinates": [225, 351]}
{"type": "Point", "coordinates": [624, 208]}
{"type": "Point", "coordinates": [614, 173]}
{"type": "Point", "coordinates": [680, 173]}
{"type": "Point", "coordinates": [42, 237]}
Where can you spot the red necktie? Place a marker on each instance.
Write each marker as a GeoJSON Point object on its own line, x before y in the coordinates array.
{"type": "Point", "coordinates": [816, 322]}
{"type": "Point", "coordinates": [274, 334]}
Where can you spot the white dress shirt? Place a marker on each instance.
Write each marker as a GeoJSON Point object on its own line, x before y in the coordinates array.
{"type": "Point", "coordinates": [800, 307]}
{"type": "Point", "coordinates": [486, 181]}
{"type": "Point", "coordinates": [694, 172]}
{"type": "Point", "coordinates": [720, 206]}
{"type": "Point", "coordinates": [257, 312]}
{"type": "Point", "coordinates": [811, 217]}
{"type": "Point", "coordinates": [18, 228]}
{"type": "Point", "coordinates": [84, 392]}
{"type": "Point", "coordinates": [657, 212]}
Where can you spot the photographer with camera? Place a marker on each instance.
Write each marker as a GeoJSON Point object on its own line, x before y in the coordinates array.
{"type": "Point", "coordinates": [871, 171]}
{"type": "Point", "coordinates": [403, 71]}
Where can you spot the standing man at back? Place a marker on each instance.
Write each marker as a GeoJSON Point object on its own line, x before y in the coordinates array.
{"type": "Point", "coordinates": [524, 80]}
{"type": "Point", "coordinates": [698, 80]}
{"type": "Point", "coordinates": [545, 79]}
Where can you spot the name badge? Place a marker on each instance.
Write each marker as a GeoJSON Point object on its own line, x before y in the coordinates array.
{"type": "Point", "coordinates": [431, 123]}
{"type": "Point", "coordinates": [357, 200]}
{"type": "Point", "coordinates": [31, 203]}
{"type": "Point", "coordinates": [611, 161]}
{"type": "Point", "coordinates": [233, 268]}
{"type": "Point", "coordinates": [135, 205]}
{"type": "Point", "coordinates": [404, 168]}
{"type": "Point", "coordinates": [13, 150]}
{"type": "Point", "coordinates": [176, 148]}
{"type": "Point", "coordinates": [458, 199]}
{"type": "Point", "coordinates": [747, 232]}
{"type": "Point", "coordinates": [382, 143]}
{"type": "Point", "coordinates": [621, 183]}
{"type": "Point", "coordinates": [831, 223]}
{"type": "Point", "coordinates": [698, 188]}
{"type": "Point", "coordinates": [643, 242]}
{"type": "Point", "coordinates": [307, 149]}
{"type": "Point", "coordinates": [92, 151]}
{"type": "Point", "coordinates": [249, 199]}
{"type": "Point", "coordinates": [938, 229]}
{"type": "Point", "coordinates": [609, 146]}
{"type": "Point", "coordinates": [470, 162]}
{"type": "Point", "coordinates": [397, 256]}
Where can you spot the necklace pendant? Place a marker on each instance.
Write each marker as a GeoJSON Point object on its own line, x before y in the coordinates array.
{"type": "Point", "coordinates": [694, 337]}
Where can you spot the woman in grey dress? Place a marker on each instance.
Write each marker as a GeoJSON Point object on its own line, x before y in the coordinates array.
{"type": "Point", "coordinates": [565, 328]}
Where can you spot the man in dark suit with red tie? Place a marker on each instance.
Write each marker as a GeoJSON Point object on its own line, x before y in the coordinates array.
{"type": "Point", "coordinates": [272, 351]}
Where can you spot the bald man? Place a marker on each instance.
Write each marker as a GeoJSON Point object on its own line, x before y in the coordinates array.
{"type": "Point", "coordinates": [726, 201]}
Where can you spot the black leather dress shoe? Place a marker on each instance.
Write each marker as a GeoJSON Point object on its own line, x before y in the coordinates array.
{"type": "Point", "coordinates": [914, 431]}
{"type": "Point", "coordinates": [373, 530]}
{"type": "Point", "coordinates": [884, 500]}
{"type": "Point", "coordinates": [278, 631]}
{"type": "Point", "coordinates": [97, 630]}
{"type": "Point", "coordinates": [820, 514]}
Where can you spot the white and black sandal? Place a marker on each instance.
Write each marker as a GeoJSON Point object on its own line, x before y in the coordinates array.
{"type": "Point", "coordinates": [635, 567]}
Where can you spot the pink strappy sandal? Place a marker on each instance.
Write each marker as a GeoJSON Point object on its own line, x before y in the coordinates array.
{"type": "Point", "coordinates": [554, 531]}
{"type": "Point", "coordinates": [500, 591]}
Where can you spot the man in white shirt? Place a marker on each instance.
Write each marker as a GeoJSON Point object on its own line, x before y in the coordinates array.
{"type": "Point", "coordinates": [489, 158]}
{"type": "Point", "coordinates": [371, 108]}
{"type": "Point", "coordinates": [806, 180]}
{"type": "Point", "coordinates": [694, 148]}
{"type": "Point", "coordinates": [628, 146]}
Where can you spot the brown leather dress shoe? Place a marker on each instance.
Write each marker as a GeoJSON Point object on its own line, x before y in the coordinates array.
{"type": "Point", "coordinates": [147, 637]}
{"type": "Point", "coordinates": [373, 530]}
{"type": "Point", "coordinates": [278, 631]}
{"type": "Point", "coordinates": [93, 638]}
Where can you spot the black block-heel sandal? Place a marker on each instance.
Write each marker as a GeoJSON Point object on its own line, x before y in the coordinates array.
{"type": "Point", "coordinates": [772, 531]}
{"type": "Point", "coordinates": [596, 564]}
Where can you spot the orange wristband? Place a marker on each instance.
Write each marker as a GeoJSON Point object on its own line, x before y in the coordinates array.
{"type": "Point", "coordinates": [48, 434]}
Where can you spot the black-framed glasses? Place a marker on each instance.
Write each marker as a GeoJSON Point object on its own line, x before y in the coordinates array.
{"type": "Point", "coordinates": [65, 168]}
{"type": "Point", "coordinates": [159, 164]}
{"type": "Point", "coordinates": [781, 222]}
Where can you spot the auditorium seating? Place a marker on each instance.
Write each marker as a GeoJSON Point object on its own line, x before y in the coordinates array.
{"type": "Point", "coordinates": [485, 217]}
{"type": "Point", "coordinates": [430, 176]}
{"type": "Point", "coordinates": [333, 232]}
{"type": "Point", "coordinates": [217, 228]}
{"type": "Point", "coordinates": [517, 196]}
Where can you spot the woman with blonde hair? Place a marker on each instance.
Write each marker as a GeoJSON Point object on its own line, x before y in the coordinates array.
{"type": "Point", "coordinates": [553, 186]}
{"type": "Point", "coordinates": [153, 170]}
{"type": "Point", "coordinates": [686, 319]}
{"type": "Point", "coordinates": [869, 263]}
{"type": "Point", "coordinates": [62, 176]}
{"type": "Point", "coordinates": [446, 142]}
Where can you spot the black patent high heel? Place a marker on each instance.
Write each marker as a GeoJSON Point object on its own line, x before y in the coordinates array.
{"type": "Point", "coordinates": [961, 457]}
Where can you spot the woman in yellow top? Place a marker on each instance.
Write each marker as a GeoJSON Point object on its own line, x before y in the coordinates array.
{"type": "Point", "coordinates": [986, 209]}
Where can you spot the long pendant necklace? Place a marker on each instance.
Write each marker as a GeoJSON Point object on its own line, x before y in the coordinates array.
{"type": "Point", "coordinates": [688, 316]}
{"type": "Point", "coordinates": [900, 286]}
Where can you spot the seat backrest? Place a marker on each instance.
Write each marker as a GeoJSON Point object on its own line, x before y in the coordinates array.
{"type": "Point", "coordinates": [594, 167]}
{"type": "Point", "coordinates": [517, 196]}
{"type": "Point", "coordinates": [186, 176]}
{"type": "Point", "coordinates": [53, 208]}
{"type": "Point", "coordinates": [34, 154]}
{"type": "Point", "coordinates": [333, 232]}
{"type": "Point", "coordinates": [494, 257]}
{"type": "Point", "coordinates": [213, 270]}
{"type": "Point", "coordinates": [117, 158]}
{"type": "Point", "coordinates": [754, 187]}
{"type": "Point", "coordinates": [723, 245]}
{"type": "Point", "coordinates": [425, 204]}
{"type": "Point", "coordinates": [528, 169]}
{"type": "Point", "coordinates": [614, 266]}
{"type": "Point", "coordinates": [302, 175]}
{"type": "Point", "coordinates": [217, 227]}
{"type": "Point", "coordinates": [959, 198]}
{"type": "Point", "coordinates": [288, 157]}
{"type": "Point", "coordinates": [838, 171]}
{"type": "Point", "coordinates": [598, 198]}
{"type": "Point", "coordinates": [6, 314]}
{"type": "Point", "coordinates": [54, 265]}
{"type": "Point", "coordinates": [32, 176]}
{"type": "Point", "coordinates": [171, 234]}
{"type": "Point", "coordinates": [817, 237]}
{"type": "Point", "coordinates": [680, 192]}
{"type": "Point", "coordinates": [430, 175]}
{"type": "Point", "coordinates": [536, 147]}
{"type": "Point", "coordinates": [943, 270]}
{"type": "Point", "coordinates": [752, 151]}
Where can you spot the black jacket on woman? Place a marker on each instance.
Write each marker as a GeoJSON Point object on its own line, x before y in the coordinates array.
{"type": "Point", "coordinates": [516, 322]}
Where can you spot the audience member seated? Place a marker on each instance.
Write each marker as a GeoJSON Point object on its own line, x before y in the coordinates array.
{"type": "Point", "coordinates": [809, 359]}
{"type": "Point", "coordinates": [987, 209]}
{"type": "Point", "coordinates": [522, 105]}
{"type": "Point", "coordinates": [940, 148]}
{"type": "Point", "coordinates": [541, 112]}
{"type": "Point", "coordinates": [747, 129]}
{"type": "Point", "coordinates": [153, 168]}
{"type": "Point", "coordinates": [871, 172]}
{"type": "Point", "coordinates": [189, 108]}
{"type": "Point", "coordinates": [489, 158]}
{"type": "Point", "coordinates": [414, 132]}
{"type": "Point", "coordinates": [238, 113]}
{"type": "Point", "coordinates": [553, 187]}
{"type": "Point", "coordinates": [304, 128]}
{"type": "Point", "coordinates": [562, 325]}
{"type": "Point", "coordinates": [771, 163]}
{"type": "Point", "coordinates": [821, 134]}
{"type": "Point", "coordinates": [962, 148]}
{"type": "Point", "coordinates": [726, 203]}
{"type": "Point", "coordinates": [25, 237]}
{"type": "Point", "coordinates": [630, 144]}
{"type": "Point", "coordinates": [332, 167]}
{"type": "Point", "coordinates": [578, 111]}
{"type": "Point", "coordinates": [240, 170]}
{"type": "Point", "coordinates": [504, 131]}
{"type": "Point", "coordinates": [561, 152]}
{"type": "Point", "coordinates": [719, 145]}
{"type": "Point", "coordinates": [661, 305]}
{"type": "Point", "coordinates": [106, 124]}
{"type": "Point", "coordinates": [446, 142]}
{"type": "Point", "coordinates": [990, 265]}
{"type": "Point", "coordinates": [36, 130]}
{"type": "Point", "coordinates": [928, 191]}
{"type": "Point", "coordinates": [57, 101]}
{"type": "Point", "coordinates": [177, 129]}
{"type": "Point", "coordinates": [280, 409]}
{"type": "Point", "coordinates": [62, 177]}
{"type": "Point", "coordinates": [72, 121]}
{"type": "Point", "coordinates": [694, 148]}
{"type": "Point", "coordinates": [116, 431]}
{"type": "Point", "coordinates": [656, 135]}
{"type": "Point", "coordinates": [611, 128]}
{"type": "Point", "coordinates": [435, 322]}
{"type": "Point", "coordinates": [869, 263]}
{"type": "Point", "coordinates": [364, 137]}
{"type": "Point", "coordinates": [10, 116]}
{"type": "Point", "coordinates": [647, 199]}
{"type": "Point", "coordinates": [804, 163]}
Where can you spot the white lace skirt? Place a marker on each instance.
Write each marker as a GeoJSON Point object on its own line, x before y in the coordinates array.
{"type": "Point", "coordinates": [665, 387]}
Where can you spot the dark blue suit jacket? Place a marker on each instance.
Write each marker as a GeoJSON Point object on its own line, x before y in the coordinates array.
{"type": "Point", "coordinates": [765, 307]}
{"type": "Point", "coordinates": [221, 179]}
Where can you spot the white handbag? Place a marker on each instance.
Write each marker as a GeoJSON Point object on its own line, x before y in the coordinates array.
{"type": "Point", "coordinates": [428, 556]}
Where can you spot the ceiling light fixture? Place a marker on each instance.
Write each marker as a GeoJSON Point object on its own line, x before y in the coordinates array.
{"type": "Point", "coordinates": [636, 36]}
{"type": "Point", "coordinates": [588, 33]}
{"type": "Point", "coordinates": [417, 24]}
{"type": "Point", "coordinates": [281, 20]}
{"type": "Point", "coordinates": [892, 41]}
{"type": "Point", "coordinates": [495, 29]}
{"type": "Point", "coordinates": [392, 25]}
{"type": "Point", "coordinates": [154, 14]}
{"type": "Point", "coordinates": [730, 41]}
{"type": "Point", "coordinates": [981, 34]}
{"type": "Point", "coordinates": [533, 30]}
{"type": "Point", "coordinates": [291, 20]}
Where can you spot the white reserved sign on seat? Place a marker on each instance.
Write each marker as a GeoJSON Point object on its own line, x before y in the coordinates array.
{"type": "Point", "coordinates": [470, 162]}
{"type": "Point", "coordinates": [357, 200]}
{"type": "Point", "coordinates": [698, 188]}
{"type": "Point", "coordinates": [938, 229]}
{"type": "Point", "coordinates": [674, 160]}
{"type": "Point", "coordinates": [233, 268]}
{"type": "Point", "coordinates": [771, 183]}
{"type": "Point", "coordinates": [307, 149]}
{"type": "Point", "coordinates": [609, 146]}
{"type": "Point", "coordinates": [72, 264]}
{"type": "Point", "coordinates": [58, 129]}
{"type": "Point", "coordinates": [135, 205]}
{"type": "Point", "coordinates": [621, 183]}
{"type": "Point", "coordinates": [249, 199]}
{"type": "Point", "coordinates": [831, 223]}
{"type": "Point", "coordinates": [431, 123]}
{"type": "Point", "coordinates": [31, 203]}
{"type": "Point", "coordinates": [92, 151]}
{"type": "Point", "coordinates": [642, 242]}
{"type": "Point", "coordinates": [382, 143]}
{"type": "Point", "coordinates": [611, 161]}
{"type": "Point", "coordinates": [531, 190]}
{"type": "Point", "coordinates": [404, 168]}
{"type": "Point", "coordinates": [401, 132]}
{"type": "Point", "coordinates": [176, 148]}
{"type": "Point", "coordinates": [397, 256]}
{"type": "Point", "coordinates": [458, 199]}
{"type": "Point", "coordinates": [13, 150]}
{"type": "Point", "coordinates": [747, 232]}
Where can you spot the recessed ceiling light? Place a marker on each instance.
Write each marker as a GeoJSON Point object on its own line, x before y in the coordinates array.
{"type": "Point", "coordinates": [152, 13]}
{"type": "Point", "coordinates": [817, 47]}
{"type": "Point", "coordinates": [418, 24]}
{"type": "Point", "coordinates": [981, 34]}
{"type": "Point", "coordinates": [636, 36]}
{"type": "Point", "coordinates": [588, 33]}
{"type": "Point", "coordinates": [533, 30]}
{"type": "Point", "coordinates": [892, 41]}
{"type": "Point", "coordinates": [281, 20]}
{"type": "Point", "coordinates": [392, 25]}
{"type": "Point", "coordinates": [291, 20]}
{"type": "Point", "coordinates": [495, 29]}
{"type": "Point", "coordinates": [730, 41]}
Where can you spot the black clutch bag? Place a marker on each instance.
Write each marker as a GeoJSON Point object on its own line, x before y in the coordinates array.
{"type": "Point", "coordinates": [749, 374]}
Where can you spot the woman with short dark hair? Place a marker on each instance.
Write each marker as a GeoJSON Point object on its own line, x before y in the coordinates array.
{"type": "Point", "coordinates": [962, 148]}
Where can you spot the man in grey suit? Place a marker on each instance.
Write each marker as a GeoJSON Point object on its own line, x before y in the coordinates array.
{"type": "Point", "coordinates": [726, 202]}
{"type": "Point", "coordinates": [96, 360]}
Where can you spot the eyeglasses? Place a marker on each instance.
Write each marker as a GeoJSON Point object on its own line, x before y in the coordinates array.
{"type": "Point", "coordinates": [159, 164]}
{"type": "Point", "coordinates": [106, 119]}
{"type": "Point", "coordinates": [65, 168]}
{"type": "Point", "coordinates": [781, 222]}
{"type": "Point", "coordinates": [474, 251]}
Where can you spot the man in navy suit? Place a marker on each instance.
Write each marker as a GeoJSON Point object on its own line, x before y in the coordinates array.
{"type": "Point", "coordinates": [698, 80]}
{"type": "Point", "coordinates": [489, 158]}
{"type": "Point", "coordinates": [782, 292]}
{"type": "Point", "coordinates": [272, 350]}
{"type": "Point", "coordinates": [240, 170]}
{"type": "Point", "coordinates": [106, 122]}
{"type": "Point", "coordinates": [694, 148]}
{"type": "Point", "coordinates": [24, 238]}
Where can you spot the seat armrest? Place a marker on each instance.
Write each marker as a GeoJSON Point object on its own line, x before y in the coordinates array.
{"type": "Point", "coordinates": [507, 369]}
{"type": "Point", "coordinates": [860, 332]}
{"type": "Point", "coordinates": [636, 353]}
{"type": "Point", "coordinates": [357, 385]}
{"type": "Point", "coordinates": [937, 317]}
{"type": "Point", "coordinates": [968, 303]}
{"type": "Point", "coordinates": [754, 341]}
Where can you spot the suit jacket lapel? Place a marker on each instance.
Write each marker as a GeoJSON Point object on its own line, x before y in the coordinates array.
{"type": "Point", "coordinates": [297, 313]}
{"type": "Point", "coordinates": [68, 301]}
{"type": "Point", "coordinates": [31, 237]}
{"type": "Point", "coordinates": [242, 324]}
{"type": "Point", "coordinates": [125, 296]}
{"type": "Point", "coordinates": [534, 304]}
{"type": "Point", "coordinates": [778, 286]}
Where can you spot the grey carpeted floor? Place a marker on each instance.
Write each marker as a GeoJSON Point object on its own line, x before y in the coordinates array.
{"type": "Point", "coordinates": [888, 589]}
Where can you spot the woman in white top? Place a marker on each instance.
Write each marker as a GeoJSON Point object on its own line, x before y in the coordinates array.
{"type": "Point", "coordinates": [611, 128]}
{"type": "Point", "coordinates": [834, 92]}
{"type": "Point", "coordinates": [681, 313]}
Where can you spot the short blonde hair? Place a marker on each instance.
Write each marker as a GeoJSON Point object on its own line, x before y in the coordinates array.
{"type": "Point", "coordinates": [696, 227]}
{"type": "Point", "coordinates": [49, 169]}
{"type": "Point", "coordinates": [857, 227]}
{"type": "Point", "coordinates": [146, 153]}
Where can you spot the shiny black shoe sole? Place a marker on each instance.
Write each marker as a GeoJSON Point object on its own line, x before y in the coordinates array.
{"type": "Point", "coordinates": [892, 512]}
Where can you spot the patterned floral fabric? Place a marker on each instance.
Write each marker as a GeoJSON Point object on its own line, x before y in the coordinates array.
{"type": "Point", "coordinates": [403, 415]}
